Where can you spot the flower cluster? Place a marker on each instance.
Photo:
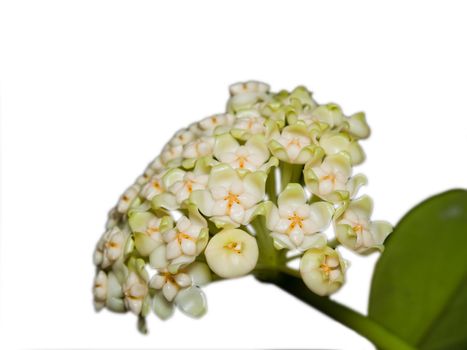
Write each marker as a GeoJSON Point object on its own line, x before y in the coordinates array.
{"type": "Point", "coordinates": [235, 193]}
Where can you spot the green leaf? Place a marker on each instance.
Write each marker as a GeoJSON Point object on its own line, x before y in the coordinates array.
{"type": "Point", "coordinates": [419, 287]}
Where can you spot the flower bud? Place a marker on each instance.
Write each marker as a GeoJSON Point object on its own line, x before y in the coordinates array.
{"type": "Point", "coordinates": [232, 253]}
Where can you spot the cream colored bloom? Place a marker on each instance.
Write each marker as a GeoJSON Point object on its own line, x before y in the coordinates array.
{"type": "Point", "coordinates": [216, 124]}
{"type": "Point", "coordinates": [135, 290]}
{"type": "Point", "coordinates": [355, 230]}
{"type": "Point", "coordinates": [182, 183]}
{"type": "Point", "coordinates": [250, 156]}
{"type": "Point", "coordinates": [110, 247]}
{"type": "Point", "coordinates": [232, 253]}
{"type": "Point", "coordinates": [100, 290]}
{"type": "Point", "coordinates": [293, 144]}
{"type": "Point", "coordinates": [248, 123]}
{"type": "Point", "coordinates": [182, 137]}
{"type": "Point", "coordinates": [294, 224]}
{"type": "Point", "coordinates": [107, 292]}
{"type": "Point", "coordinates": [334, 143]}
{"type": "Point", "coordinates": [170, 284]}
{"type": "Point", "coordinates": [322, 270]}
{"type": "Point", "coordinates": [147, 230]}
{"type": "Point", "coordinates": [153, 187]}
{"type": "Point", "coordinates": [127, 198]}
{"type": "Point", "coordinates": [200, 147]}
{"type": "Point", "coordinates": [331, 179]}
{"type": "Point", "coordinates": [229, 199]}
{"type": "Point", "coordinates": [182, 243]}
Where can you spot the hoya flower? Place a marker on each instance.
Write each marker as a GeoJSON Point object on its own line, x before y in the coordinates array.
{"type": "Point", "coordinates": [182, 243]}
{"type": "Point", "coordinates": [127, 198]}
{"type": "Point", "coordinates": [230, 200]}
{"type": "Point", "coordinates": [330, 114]}
{"type": "Point", "coordinates": [322, 270]}
{"type": "Point", "coordinates": [355, 230]}
{"type": "Point", "coordinates": [182, 137]}
{"type": "Point", "coordinates": [294, 145]}
{"type": "Point", "coordinates": [110, 247]}
{"type": "Point", "coordinates": [107, 292]}
{"type": "Point", "coordinates": [250, 156]}
{"type": "Point", "coordinates": [294, 224]}
{"type": "Point", "coordinates": [148, 230]}
{"type": "Point", "coordinates": [171, 155]}
{"type": "Point", "coordinates": [358, 126]}
{"type": "Point", "coordinates": [331, 179]}
{"type": "Point", "coordinates": [170, 284]}
{"type": "Point", "coordinates": [100, 290]}
{"type": "Point", "coordinates": [135, 290]}
{"type": "Point", "coordinates": [153, 187]}
{"type": "Point", "coordinates": [216, 124]}
{"type": "Point", "coordinates": [334, 143]}
{"type": "Point", "coordinates": [247, 95]}
{"type": "Point", "coordinates": [248, 123]}
{"type": "Point", "coordinates": [182, 183]}
{"type": "Point", "coordinates": [200, 147]}
{"type": "Point", "coordinates": [181, 288]}
{"type": "Point", "coordinates": [232, 253]}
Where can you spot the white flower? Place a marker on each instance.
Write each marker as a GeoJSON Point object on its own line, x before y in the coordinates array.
{"type": "Point", "coordinates": [247, 95]}
{"type": "Point", "coordinates": [183, 243]}
{"type": "Point", "coordinates": [144, 177]}
{"type": "Point", "coordinates": [199, 147]}
{"type": "Point", "coordinates": [182, 239]}
{"type": "Point", "coordinates": [134, 291]}
{"type": "Point", "coordinates": [110, 247]}
{"type": "Point", "coordinates": [156, 165]}
{"type": "Point", "coordinates": [322, 270]}
{"type": "Point", "coordinates": [147, 229]}
{"type": "Point", "coordinates": [229, 199]}
{"type": "Point", "coordinates": [182, 183]}
{"type": "Point", "coordinates": [100, 290]}
{"type": "Point", "coordinates": [296, 224]}
{"type": "Point", "coordinates": [334, 143]}
{"type": "Point", "coordinates": [330, 114]}
{"type": "Point", "coordinates": [181, 137]}
{"type": "Point", "coordinates": [250, 156]}
{"type": "Point", "coordinates": [107, 292]}
{"type": "Point", "coordinates": [248, 88]}
{"type": "Point", "coordinates": [171, 153]}
{"type": "Point", "coordinates": [153, 187]}
{"type": "Point", "coordinates": [294, 144]}
{"type": "Point", "coordinates": [127, 198]}
{"type": "Point", "coordinates": [216, 124]}
{"type": "Point", "coordinates": [170, 284]}
{"type": "Point", "coordinates": [355, 230]}
{"type": "Point", "coordinates": [196, 274]}
{"type": "Point", "coordinates": [248, 123]}
{"type": "Point", "coordinates": [232, 253]}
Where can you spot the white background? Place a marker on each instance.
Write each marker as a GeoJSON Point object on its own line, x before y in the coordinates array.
{"type": "Point", "coordinates": [91, 90]}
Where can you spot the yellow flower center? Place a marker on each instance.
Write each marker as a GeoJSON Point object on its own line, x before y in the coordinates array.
{"type": "Point", "coordinates": [231, 198]}
{"type": "Point", "coordinates": [295, 221]}
{"type": "Point", "coordinates": [236, 247]}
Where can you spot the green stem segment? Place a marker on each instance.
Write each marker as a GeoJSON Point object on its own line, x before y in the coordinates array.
{"type": "Point", "coordinates": [361, 324]}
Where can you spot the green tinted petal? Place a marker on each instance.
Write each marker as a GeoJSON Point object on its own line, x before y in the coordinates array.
{"type": "Point", "coordinates": [192, 301]}
{"type": "Point", "coordinates": [293, 194]}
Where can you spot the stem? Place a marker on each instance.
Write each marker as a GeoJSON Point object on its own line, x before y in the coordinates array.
{"type": "Point", "coordinates": [290, 173]}
{"type": "Point", "coordinates": [361, 324]}
{"type": "Point", "coordinates": [271, 185]}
